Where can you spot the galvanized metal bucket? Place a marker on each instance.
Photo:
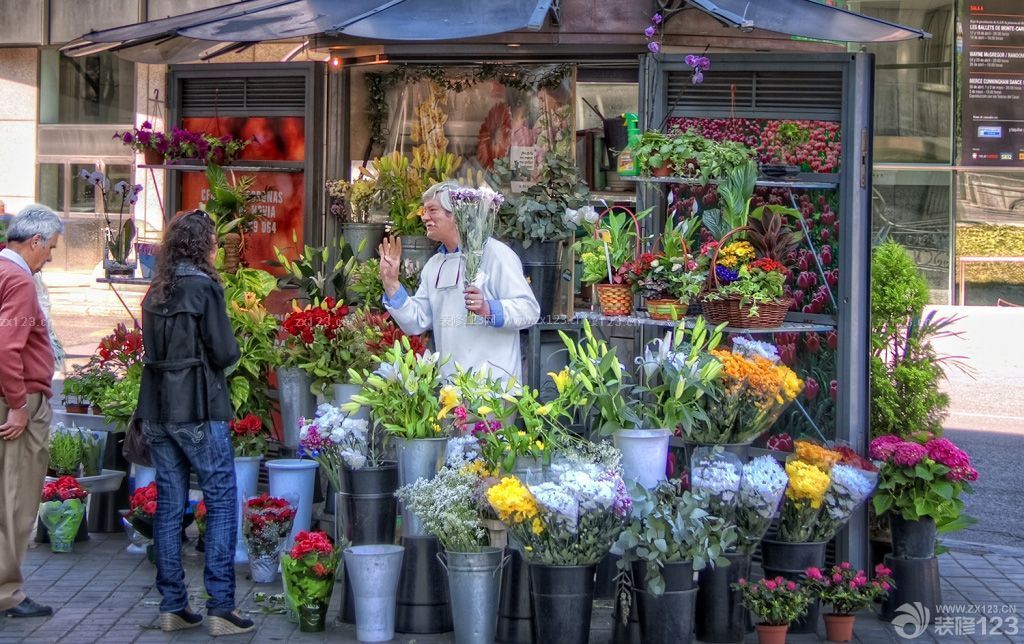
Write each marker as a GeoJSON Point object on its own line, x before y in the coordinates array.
{"type": "Point", "coordinates": [297, 401]}
{"type": "Point", "coordinates": [373, 571]}
{"type": "Point", "coordinates": [474, 581]}
{"type": "Point", "coordinates": [418, 458]}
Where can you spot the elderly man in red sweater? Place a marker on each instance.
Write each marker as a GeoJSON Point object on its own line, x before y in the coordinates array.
{"type": "Point", "coordinates": [26, 372]}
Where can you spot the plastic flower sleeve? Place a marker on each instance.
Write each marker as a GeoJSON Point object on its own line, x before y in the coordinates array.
{"type": "Point", "coordinates": [715, 475]}
{"type": "Point", "coordinates": [761, 489]}
{"type": "Point", "coordinates": [850, 487]}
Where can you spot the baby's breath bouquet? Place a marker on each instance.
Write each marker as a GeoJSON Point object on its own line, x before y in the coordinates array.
{"type": "Point", "coordinates": [448, 508]}
{"type": "Point", "coordinates": [761, 489]}
{"type": "Point", "coordinates": [572, 520]}
{"type": "Point", "coordinates": [474, 210]}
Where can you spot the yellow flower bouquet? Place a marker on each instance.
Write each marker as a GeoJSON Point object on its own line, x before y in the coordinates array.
{"type": "Point", "coordinates": [807, 487]}
{"type": "Point", "coordinates": [572, 520]}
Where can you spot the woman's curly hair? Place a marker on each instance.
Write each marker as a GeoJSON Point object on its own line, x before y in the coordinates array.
{"type": "Point", "coordinates": [188, 239]}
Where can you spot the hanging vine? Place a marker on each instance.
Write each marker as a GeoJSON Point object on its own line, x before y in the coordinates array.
{"type": "Point", "coordinates": [520, 77]}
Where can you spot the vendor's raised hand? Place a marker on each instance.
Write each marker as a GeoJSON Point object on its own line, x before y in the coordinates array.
{"type": "Point", "coordinates": [390, 251]}
{"type": "Point", "coordinates": [476, 303]}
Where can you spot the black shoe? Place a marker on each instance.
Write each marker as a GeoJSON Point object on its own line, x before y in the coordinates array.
{"type": "Point", "coordinates": [228, 622]}
{"type": "Point", "coordinates": [179, 620]}
{"type": "Point", "coordinates": [28, 608]}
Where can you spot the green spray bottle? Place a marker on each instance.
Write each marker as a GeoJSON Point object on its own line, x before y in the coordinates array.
{"type": "Point", "coordinates": [627, 164]}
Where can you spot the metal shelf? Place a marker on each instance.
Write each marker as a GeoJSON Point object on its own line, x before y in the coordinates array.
{"type": "Point", "coordinates": [638, 320]}
{"type": "Point", "coordinates": [240, 168]}
{"type": "Point", "coordinates": [802, 182]}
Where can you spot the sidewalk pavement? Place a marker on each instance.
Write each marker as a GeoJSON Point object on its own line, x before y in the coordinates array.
{"type": "Point", "coordinates": [102, 593]}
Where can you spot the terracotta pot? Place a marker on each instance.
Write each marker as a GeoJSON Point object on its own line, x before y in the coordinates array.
{"type": "Point", "coordinates": [96, 411]}
{"type": "Point", "coordinates": [662, 171]}
{"type": "Point", "coordinates": [769, 634]}
{"type": "Point", "coordinates": [152, 157]}
{"type": "Point", "coordinates": [73, 408]}
{"type": "Point", "coordinates": [838, 628]}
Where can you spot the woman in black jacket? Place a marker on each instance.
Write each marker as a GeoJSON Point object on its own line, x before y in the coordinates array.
{"type": "Point", "coordinates": [185, 409]}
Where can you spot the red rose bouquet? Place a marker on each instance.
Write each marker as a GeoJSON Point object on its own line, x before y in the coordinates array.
{"type": "Point", "coordinates": [322, 341]}
{"type": "Point", "coordinates": [266, 523]}
{"type": "Point", "coordinates": [142, 510]}
{"type": "Point", "coordinates": [308, 570]}
{"type": "Point", "coordinates": [201, 517]}
{"type": "Point", "coordinates": [248, 436]}
{"type": "Point", "coordinates": [62, 510]}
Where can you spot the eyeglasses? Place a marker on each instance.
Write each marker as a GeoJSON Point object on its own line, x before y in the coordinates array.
{"type": "Point", "coordinates": [458, 273]}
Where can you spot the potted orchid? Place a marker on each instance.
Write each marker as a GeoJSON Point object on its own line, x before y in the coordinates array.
{"type": "Point", "coordinates": [118, 238]}
{"type": "Point", "coordinates": [145, 140]}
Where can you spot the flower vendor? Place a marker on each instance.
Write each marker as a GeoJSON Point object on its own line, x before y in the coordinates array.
{"type": "Point", "coordinates": [499, 295]}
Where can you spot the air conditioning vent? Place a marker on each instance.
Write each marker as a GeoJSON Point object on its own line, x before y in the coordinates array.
{"type": "Point", "coordinates": [810, 95]}
{"type": "Point", "coordinates": [256, 95]}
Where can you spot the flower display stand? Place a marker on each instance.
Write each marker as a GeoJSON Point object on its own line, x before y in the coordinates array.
{"type": "Point", "coordinates": [917, 581]}
{"type": "Point", "coordinates": [790, 561]}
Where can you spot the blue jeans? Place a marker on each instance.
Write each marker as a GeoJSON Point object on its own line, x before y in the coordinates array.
{"type": "Point", "coordinates": [203, 447]}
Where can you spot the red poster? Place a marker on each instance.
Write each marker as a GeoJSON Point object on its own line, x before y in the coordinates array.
{"type": "Point", "coordinates": [282, 206]}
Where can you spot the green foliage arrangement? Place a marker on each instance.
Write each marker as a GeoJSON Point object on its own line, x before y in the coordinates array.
{"type": "Point", "coordinates": [671, 525]}
{"type": "Point", "coordinates": [255, 329]}
{"type": "Point", "coordinates": [230, 202]}
{"type": "Point", "coordinates": [538, 214]}
{"type": "Point", "coordinates": [319, 272]}
{"type": "Point", "coordinates": [905, 368]}
{"type": "Point", "coordinates": [65, 451]}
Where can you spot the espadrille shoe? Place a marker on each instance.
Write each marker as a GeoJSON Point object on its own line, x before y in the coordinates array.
{"type": "Point", "coordinates": [179, 620]}
{"type": "Point", "coordinates": [228, 622]}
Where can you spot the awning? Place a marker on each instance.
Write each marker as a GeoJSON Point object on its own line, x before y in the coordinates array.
{"type": "Point", "coordinates": [201, 35]}
{"type": "Point", "coordinates": [808, 18]}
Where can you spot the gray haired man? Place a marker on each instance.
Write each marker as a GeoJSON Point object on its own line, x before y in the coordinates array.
{"type": "Point", "coordinates": [26, 373]}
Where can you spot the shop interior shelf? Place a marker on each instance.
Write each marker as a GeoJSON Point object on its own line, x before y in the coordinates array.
{"type": "Point", "coordinates": [199, 167]}
{"type": "Point", "coordinates": [805, 181]}
{"type": "Point", "coordinates": [638, 320]}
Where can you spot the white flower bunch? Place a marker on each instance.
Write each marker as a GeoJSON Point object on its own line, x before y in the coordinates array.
{"type": "Point", "coordinates": [447, 506]}
{"type": "Point", "coordinates": [848, 489]}
{"type": "Point", "coordinates": [755, 349]}
{"type": "Point", "coordinates": [585, 214]}
{"type": "Point", "coordinates": [761, 489]}
{"type": "Point", "coordinates": [462, 450]}
{"type": "Point", "coordinates": [332, 436]}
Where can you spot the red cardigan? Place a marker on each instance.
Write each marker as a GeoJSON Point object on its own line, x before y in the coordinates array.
{"type": "Point", "coordinates": [26, 356]}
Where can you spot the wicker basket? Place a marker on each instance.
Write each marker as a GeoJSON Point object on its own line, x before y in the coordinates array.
{"type": "Point", "coordinates": [769, 314]}
{"type": "Point", "coordinates": [615, 299]}
{"type": "Point", "coordinates": [729, 310]}
{"type": "Point", "coordinates": [666, 309]}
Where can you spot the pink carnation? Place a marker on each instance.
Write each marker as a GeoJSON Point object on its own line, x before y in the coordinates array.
{"type": "Point", "coordinates": [881, 448]}
{"type": "Point", "coordinates": [908, 454]}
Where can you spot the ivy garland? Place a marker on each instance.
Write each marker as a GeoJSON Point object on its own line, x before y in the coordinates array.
{"type": "Point", "coordinates": [520, 77]}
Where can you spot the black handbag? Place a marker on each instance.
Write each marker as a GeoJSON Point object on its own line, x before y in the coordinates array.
{"type": "Point", "coordinates": [136, 447]}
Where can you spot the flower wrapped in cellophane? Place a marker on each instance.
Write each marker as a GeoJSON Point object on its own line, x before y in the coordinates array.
{"type": "Point", "coordinates": [850, 487]}
{"type": "Point", "coordinates": [715, 477]}
{"type": "Point", "coordinates": [572, 520]}
{"type": "Point", "coordinates": [804, 497]}
{"type": "Point", "coordinates": [308, 570]}
{"type": "Point", "coordinates": [474, 210]}
{"type": "Point", "coordinates": [761, 489]}
{"type": "Point", "coordinates": [62, 510]}
{"type": "Point", "coordinates": [336, 441]}
{"type": "Point", "coordinates": [754, 388]}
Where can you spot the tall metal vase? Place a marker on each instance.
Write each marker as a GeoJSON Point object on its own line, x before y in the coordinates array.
{"type": "Point", "coordinates": [297, 401]}
{"type": "Point", "coordinates": [418, 458]}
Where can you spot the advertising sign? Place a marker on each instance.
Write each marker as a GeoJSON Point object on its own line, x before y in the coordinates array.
{"type": "Point", "coordinates": [993, 83]}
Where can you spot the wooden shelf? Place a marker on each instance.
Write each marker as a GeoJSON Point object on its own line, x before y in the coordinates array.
{"type": "Point", "coordinates": [804, 181]}
{"type": "Point", "coordinates": [240, 168]}
{"type": "Point", "coordinates": [643, 320]}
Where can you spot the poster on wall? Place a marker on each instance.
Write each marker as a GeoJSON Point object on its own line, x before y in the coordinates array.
{"type": "Point", "coordinates": [495, 129]}
{"type": "Point", "coordinates": [281, 202]}
{"type": "Point", "coordinates": [993, 82]}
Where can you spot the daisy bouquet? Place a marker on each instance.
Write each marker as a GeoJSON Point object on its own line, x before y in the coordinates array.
{"type": "Point", "coordinates": [715, 476]}
{"type": "Point", "coordinates": [572, 520]}
{"type": "Point", "coordinates": [849, 488]}
{"type": "Point", "coordinates": [761, 489]}
{"type": "Point", "coordinates": [474, 210]}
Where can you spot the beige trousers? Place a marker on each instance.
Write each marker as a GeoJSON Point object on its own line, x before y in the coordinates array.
{"type": "Point", "coordinates": [22, 471]}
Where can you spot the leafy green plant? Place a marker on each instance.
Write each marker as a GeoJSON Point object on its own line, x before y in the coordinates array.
{"type": "Point", "coordinates": [653, 150]}
{"type": "Point", "coordinates": [318, 272]}
{"type": "Point", "coordinates": [770, 233]}
{"type": "Point", "coordinates": [230, 202]}
{"type": "Point", "coordinates": [618, 229]}
{"type": "Point", "coordinates": [672, 525]}
{"type": "Point", "coordinates": [538, 214]}
{"type": "Point", "coordinates": [598, 385]}
{"type": "Point", "coordinates": [254, 329]}
{"type": "Point", "coordinates": [119, 400]}
{"type": "Point", "coordinates": [753, 285]}
{"type": "Point", "coordinates": [75, 387]}
{"type": "Point", "coordinates": [65, 451]}
{"type": "Point", "coordinates": [905, 368]}
{"type": "Point", "coordinates": [92, 458]}
{"type": "Point", "coordinates": [774, 601]}
{"type": "Point", "coordinates": [734, 196]}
